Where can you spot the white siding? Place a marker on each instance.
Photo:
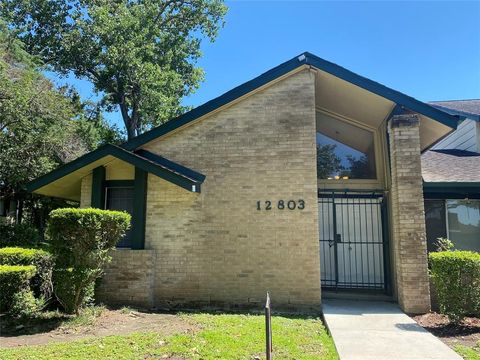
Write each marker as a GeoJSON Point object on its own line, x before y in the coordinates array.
{"type": "Point", "coordinates": [466, 137]}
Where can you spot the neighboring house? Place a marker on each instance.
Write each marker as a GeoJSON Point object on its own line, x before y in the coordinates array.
{"type": "Point", "coordinates": [451, 174]}
{"type": "Point", "coordinates": [304, 180]}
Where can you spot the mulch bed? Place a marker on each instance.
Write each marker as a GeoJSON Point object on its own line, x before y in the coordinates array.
{"type": "Point", "coordinates": [466, 333]}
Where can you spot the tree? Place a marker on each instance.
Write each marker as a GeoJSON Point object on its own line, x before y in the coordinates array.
{"type": "Point", "coordinates": [328, 163]}
{"type": "Point", "coordinates": [140, 54]}
{"type": "Point", "coordinates": [41, 127]}
{"type": "Point", "coordinates": [34, 118]}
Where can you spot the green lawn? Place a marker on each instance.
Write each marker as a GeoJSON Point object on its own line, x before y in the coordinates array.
{"type": "Point", "coordinates": [220, 337]}
{"type": "Point", "coordinates": [469, 353]}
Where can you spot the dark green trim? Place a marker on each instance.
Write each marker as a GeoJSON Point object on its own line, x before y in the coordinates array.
{"type": "Point", "coordinates": [98, 192]}
{"type": "Point", "coordinates": [451, 190]}
{"type": "Point", "coordinates": [119, 183]}
{"type": "Point", "coordinates": [298, 61]}
{"type": "Point", "coordinates": [139, 209]}
{"type": "Point", "coordinates": [150, 166]}
{"type": "Point", "coordinates": [160, 160]}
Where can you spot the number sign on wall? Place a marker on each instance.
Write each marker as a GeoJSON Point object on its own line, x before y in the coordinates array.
{"type": "Point", "coordinates": [281, 205]}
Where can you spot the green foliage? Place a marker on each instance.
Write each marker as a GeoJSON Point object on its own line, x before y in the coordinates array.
{"type": "Point", "coordinates": [456, 276]}
{"type": "Point", "coordinates": [25, 305]}
{"type": "Point", "coordinates": [41, 127]}
{"type": "Point", "coordinates": [19, 235]}
{"type": "Point", "coordinates": [34, 117]}
{"type": "Point", "coordinates": [140, 54]}
{"type": "Point", "coordinates": [80, 240]}
{"type": "Point", "coordinates": [328, 163]}
{"type": "Point", "coordinates": [41, 259]}
{"type": "Point", "coordinates": [444, 244]}
{"type": "Point", "coordinates": [13, 279]}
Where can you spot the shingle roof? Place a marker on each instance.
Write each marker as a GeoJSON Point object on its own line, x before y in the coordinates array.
{"type": "Point", "coordinates": [469, 108]}
{"type": "Point", "coordinates": [450, 166]}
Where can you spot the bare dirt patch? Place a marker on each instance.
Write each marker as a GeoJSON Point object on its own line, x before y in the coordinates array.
{"type": "Point", "coordinates": [108, 322]}
{"type": "Point", "coordinates": [466, 333]}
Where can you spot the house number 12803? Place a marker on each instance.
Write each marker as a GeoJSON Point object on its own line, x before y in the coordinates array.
{"type": "Point", "coordinates": [281, 205]}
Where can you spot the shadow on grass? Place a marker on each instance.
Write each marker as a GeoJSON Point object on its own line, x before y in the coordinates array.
{"type": "Point", "coordinates": [11, 327]}
{"type": "Point", "coordinates": [52, 320]}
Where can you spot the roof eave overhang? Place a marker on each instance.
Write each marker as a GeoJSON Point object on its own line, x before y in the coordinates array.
{"type": "Point", "coordinates": [190, 184]}
{"type": "Point", "coordinates": [305, 59]}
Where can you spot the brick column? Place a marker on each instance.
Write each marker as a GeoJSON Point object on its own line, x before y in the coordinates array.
{"type": "Point", "coordinates": [408, 215]}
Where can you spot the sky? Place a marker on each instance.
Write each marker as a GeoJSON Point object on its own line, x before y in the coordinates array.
{"type": "Point", "coordinates": [428, 50]}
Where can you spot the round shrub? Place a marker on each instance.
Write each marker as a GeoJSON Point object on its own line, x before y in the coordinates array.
{"type": "Point", "coordinates": [41, 259]}
{"type": "Point", "coordinates": [80, 241]}
{"type": "Point", "coordinates": [456, 277]}
{"type": "Point", "coordinates": [13, 279]}
{"type": "Point", "coordinates": [24, 304]}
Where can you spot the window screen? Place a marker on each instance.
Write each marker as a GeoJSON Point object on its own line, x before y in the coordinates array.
{"type": "Point", "coordinates": [121, 198]}
{"type": "Point", "coordinates": [464, 224]}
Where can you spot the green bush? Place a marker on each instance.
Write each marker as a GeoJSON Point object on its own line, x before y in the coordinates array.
{"type": "Point", "coordinates": [19, 235]}
{"type": "Point", "coordinates": [13, 279]}
{"type": "Point", "coordinates": [80, 241]}
{"type": "Point", "coordinates": [24, 304]}
{"type": "Point", "coordinates": [456, 277]}
{"type": "Point", "coordinates": [43, 261]}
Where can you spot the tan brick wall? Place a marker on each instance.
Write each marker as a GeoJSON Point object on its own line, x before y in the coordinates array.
{"type": "Point", "coordinates": [409, 239]}
{"type": "Point", "coordinates": [86, 192]}
{"type": "Point", "coordinates": [129, 279]}
{"type": "Point", "coordinates": [215, 247]}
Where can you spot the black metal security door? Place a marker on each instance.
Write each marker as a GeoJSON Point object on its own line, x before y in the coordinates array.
{"type": "Point", "coordinates": [353, 241]}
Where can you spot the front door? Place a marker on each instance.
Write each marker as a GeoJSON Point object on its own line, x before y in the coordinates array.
{"type": "Point", "coordinates": [353, 241]}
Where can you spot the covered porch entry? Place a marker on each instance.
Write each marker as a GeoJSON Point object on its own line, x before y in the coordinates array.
{"type": "Point", "coordinates": [353, 237]}
{"type": "Point", "coordinates": [371, 223]}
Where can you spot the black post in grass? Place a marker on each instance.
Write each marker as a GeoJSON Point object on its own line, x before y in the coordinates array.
{"type": "Point", "coordinates": [268, 328]}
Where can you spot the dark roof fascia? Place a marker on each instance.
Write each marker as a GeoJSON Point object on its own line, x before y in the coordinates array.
{"type": "Point", "coordinates": [462, 114]}
{"type": "Point", "coordinates": [173, 166]}
{"type": "Point", "coordinates": [451, 187]}
{"type": "Point", "coordinates": [282, 69]}
{"type": "Point", "coordinates": [122, 154]}
{"type": "Point", "coordinates": [451, 190]}
{"type": "Point", "coordinates": [383, 91]}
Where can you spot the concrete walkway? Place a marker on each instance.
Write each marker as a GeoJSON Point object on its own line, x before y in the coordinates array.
{"type": "Point", "coordinates": [371, 330]}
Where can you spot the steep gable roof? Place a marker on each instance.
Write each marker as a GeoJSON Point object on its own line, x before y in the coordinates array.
{"type": "Point", "coordinates": [157, 165]}
{"type": "Point", "coordinates": [304, 59]}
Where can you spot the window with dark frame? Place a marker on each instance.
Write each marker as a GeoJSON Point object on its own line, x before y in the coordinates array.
{"type": "Point", "coordinates": [455, 219]}
{"type": "Point", "coordinates": [121, 199]}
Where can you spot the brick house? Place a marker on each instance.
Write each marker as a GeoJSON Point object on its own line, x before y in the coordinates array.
{"type": "Point", "coordinates": [303, 181]}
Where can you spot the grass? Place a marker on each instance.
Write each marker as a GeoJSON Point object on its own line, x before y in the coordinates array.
{"type": "Point", "coordinates": [221, 336]}
{"type": "Point", "coordinates": [469, 353]}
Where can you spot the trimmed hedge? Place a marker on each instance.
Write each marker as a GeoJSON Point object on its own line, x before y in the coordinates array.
{"type": "Point", "coordinates": [41, 259]}
{"type": "Point", "coordinates": [80, 240]}
{"type": "Point", "coordinates": [456, 276]}
{"type": "Point", "coordinates": [13, 279]}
